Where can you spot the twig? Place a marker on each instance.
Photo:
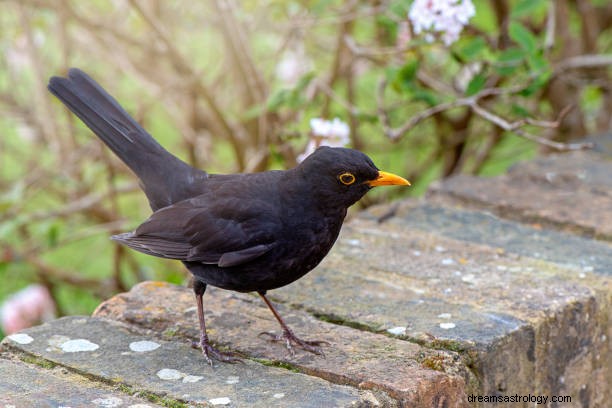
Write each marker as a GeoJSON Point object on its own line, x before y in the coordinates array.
{"type": "Point", "coordinates": [471, 102]}
{"type": "Point", "coordinates": [584, 61]}
{"type": "Point", "coordinates": [515, 127]}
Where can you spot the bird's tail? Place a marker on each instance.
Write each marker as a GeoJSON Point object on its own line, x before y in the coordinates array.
{"type": "Point", "coordinates": [164, 178]}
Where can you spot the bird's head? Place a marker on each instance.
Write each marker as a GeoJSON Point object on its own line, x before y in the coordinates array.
{"type": "Point", "coordinates": [339, 177]}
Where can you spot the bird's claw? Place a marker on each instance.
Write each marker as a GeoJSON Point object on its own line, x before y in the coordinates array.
{"type": "Point", "coordinates": [211, 353]}
{"type": "Point", "coordinates": [291, 340]}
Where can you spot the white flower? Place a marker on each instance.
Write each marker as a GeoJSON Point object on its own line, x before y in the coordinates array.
{"type": "Point", "coordinates": [333, 133]}
{"type": "Point", "coordinates": [445, 17]}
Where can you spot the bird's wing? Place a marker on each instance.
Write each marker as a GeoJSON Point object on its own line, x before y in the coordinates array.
{"type": "Point", "coordinates": [203, 229]}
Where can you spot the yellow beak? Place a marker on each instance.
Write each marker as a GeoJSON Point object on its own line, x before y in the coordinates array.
{"type": "Point", "coordinates": [388, 179]}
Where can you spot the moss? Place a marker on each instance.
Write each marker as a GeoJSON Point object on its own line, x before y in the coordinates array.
{"type": "Point", "coordinates": [433, 362]}
{"type": "Point", "coordinates": [342, 322]}
{"type": "Point", "coordinates": [170, 332]}
{"type": "Point", "coordinates": [151, 397]}
{"type": "Point", "coordinates": [278, 364]}
{"type": "Point", "coordinates": [41, 362]}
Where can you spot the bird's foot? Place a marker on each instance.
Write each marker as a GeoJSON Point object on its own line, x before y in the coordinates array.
{"type": "Point", "coordinates": [211, 353]}
{"type": "Point", "coordinates": [291, 340]}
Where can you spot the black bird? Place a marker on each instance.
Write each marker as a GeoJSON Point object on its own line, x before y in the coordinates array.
{"type": "Point", "coordinates": [241, 232]}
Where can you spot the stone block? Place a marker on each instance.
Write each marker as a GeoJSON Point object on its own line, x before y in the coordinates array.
{"type": "Point", "coordinates": [410, 374]}
{"type": "Point", "coordinates": [571, 192]}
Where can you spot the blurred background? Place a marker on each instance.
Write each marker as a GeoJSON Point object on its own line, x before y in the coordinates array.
{"type": "Point", "coordinates": [427, 88]}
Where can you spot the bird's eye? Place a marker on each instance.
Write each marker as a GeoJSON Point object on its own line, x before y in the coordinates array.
{"type": "Point", "coordinates": [346, 178]}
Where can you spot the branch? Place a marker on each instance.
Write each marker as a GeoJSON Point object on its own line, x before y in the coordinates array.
{"type": "Point", "coordinates": [584, 61]}
{"type": "Point", "coordinates": [471, 102]}
{"type": "Point", "coordinates": [516, 127]}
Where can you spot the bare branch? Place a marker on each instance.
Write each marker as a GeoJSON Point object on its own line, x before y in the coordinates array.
{"type": "Point", "coordinates": [515, 127]}
{"type": "Point", "coordinates": [584, 61]}
{"type": "Point", "coordinates": [471, 102]}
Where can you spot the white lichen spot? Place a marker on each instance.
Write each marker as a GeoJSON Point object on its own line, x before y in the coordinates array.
{"type": "Point", "coordinates": [444, 316]}
{"type": "Point", "coordinates": [21, 338]}
{"type": "Point", "coordinates": [353, 242]}
{"type": "Point", "coordinates": [582, 275]}
{"type": "Point", "coordinates": [190, 310]}
{"type": "Point", "coordinates": [220, 401]}
{"type": "Point", "coordinates": [232, 379]}
{"type": "Point", "coordinates": [191, 378]}
{"type": "Point", "coordinates": [78, 345]}
{"type": "Point", "coordinates": [78, 321]}
{"type": "Point", "coordinates": [279, 395]}
{"type": "Point", "coordinates": [469, 278]}
{"type": "Point", "coordinates": [439, 248]}
{"type": "Point", "coordinates": [398, 331]}
{"type": "Point", "coordinates": [502, 268]}
{"type": "Point", "coordinates": [143, 346]}
{"type": "Point", "coordinates": [108, 402]}
{"type": "Point", "coordinates": [416, 253]}
{"type": "Point", "coordinates": [170, 374]}
{"type": "Point", "coordinates": [448, 261]}
{"type": "Point", "coordinates": [447, 326]}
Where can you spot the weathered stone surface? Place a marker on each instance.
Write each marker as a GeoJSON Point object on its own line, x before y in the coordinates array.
{"type": "Point", "coordinates": [571, 192]}
{"type": "Point", "coordinates": [501, 306]}
{"type": "Point", "coordinates": [484, 228]}
{"type": "Point", "coordinates": [107, 351]}
{"type": "Point", "coordinates": [25, 385]}
{"type": "Point", "coordinates": [361, 359]}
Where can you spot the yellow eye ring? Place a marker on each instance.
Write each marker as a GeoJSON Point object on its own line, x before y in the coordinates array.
{"type": "Point", "coordinates": [346, 178]}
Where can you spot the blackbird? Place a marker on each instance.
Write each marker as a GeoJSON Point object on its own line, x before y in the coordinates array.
{"type": "Point", "coordinates": [241, 232]}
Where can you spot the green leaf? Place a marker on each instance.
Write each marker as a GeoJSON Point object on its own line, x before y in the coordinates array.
{"type": "Point", "coordinates": [471, 49]}
{"type": "Point", "coordinates": [53, 234]}
{"type": "Point", "coordinates": [518, 110]}
{"type": "Point", "coordinates": [403, 79]}
{"type": "Point", "coordinates": [535, 85]}
{"type": "Point", "coordinates": [538, 64]}
{"type": "Point", "coordinates": [523, 37]}
{"type": "Point", "coordinates": [476, 84]}
{"type": "Point", "coordinates": [424, 95]}
{"type": "Point", "coordinates": [509, 60]}
{"type": "Point", "coordinates": [526, 7]}
{"type": "Point", "coordinates": [277, 99]}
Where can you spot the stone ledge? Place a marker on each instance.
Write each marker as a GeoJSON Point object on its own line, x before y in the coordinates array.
{"type": "Point", "coordinates": [40, 384]}
{"type": "Point", "coordinates": [361, 359]}
{"type": "Point", "coordinates": [170, 371]}
{"type": "Point", "coordinates": [571, 192]}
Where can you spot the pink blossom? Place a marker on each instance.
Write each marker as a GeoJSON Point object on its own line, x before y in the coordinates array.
{"type": "Point", "coordinates": [334, 133]}
{"type": "Point", "coordinates": [26, 308]}
{"type": "Point", "coordinates": [444, 17]}
{"type": "Point", "coordinates": [293, 65]}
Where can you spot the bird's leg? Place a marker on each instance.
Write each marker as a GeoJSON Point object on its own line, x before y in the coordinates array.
{"type": "Point", "coordinates": [207, 349]}
{"type": "Point", "coordinates": [288, 337]}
